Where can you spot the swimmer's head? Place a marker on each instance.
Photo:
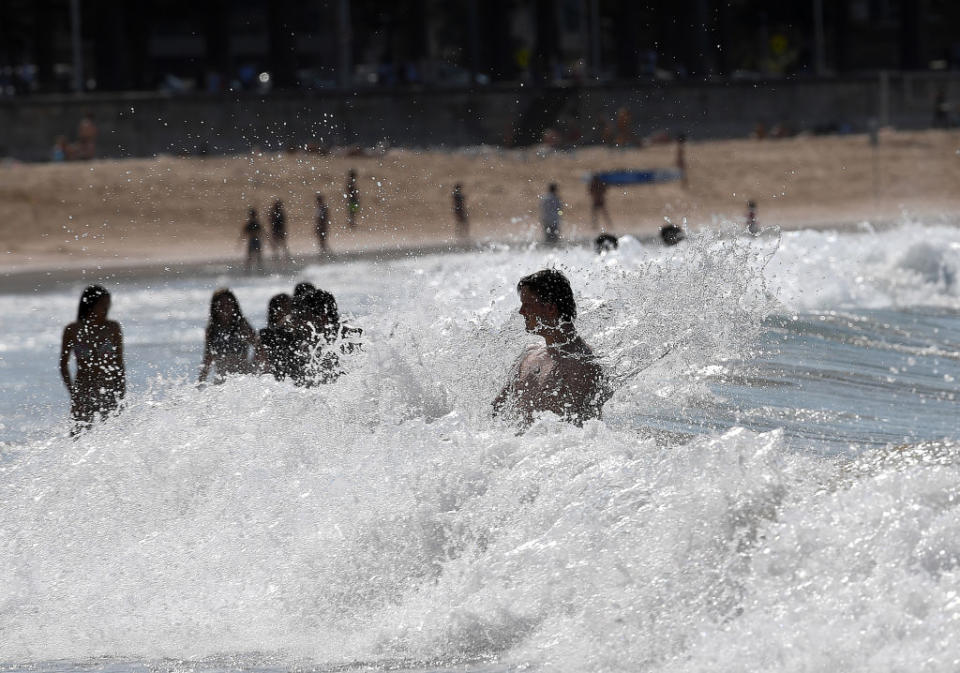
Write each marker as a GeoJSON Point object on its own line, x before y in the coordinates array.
{"type": "Point", "coordinates": [224, 307]}
{"type": "Point", "coordinates": [94, 300]}
{"type": "Point", "coordinates": [319, 309]}
{"type": "Point", "coordinates": [303, 289]}
{"type": "Point", "coordinates": [546, 299]}
{"type": "Point", "coordinates": [605, 243]}
{"type": "Point", "coordinates": [279, 309]}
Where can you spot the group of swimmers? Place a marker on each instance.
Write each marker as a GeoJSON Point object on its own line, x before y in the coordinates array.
{"type": "Point", "coordinates": [305, 338]}
{"type": "Point", "coordinates": [302, 343]}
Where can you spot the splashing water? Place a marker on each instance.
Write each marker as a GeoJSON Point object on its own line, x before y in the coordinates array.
{"type": "Point", "coordinates": [388, 519]}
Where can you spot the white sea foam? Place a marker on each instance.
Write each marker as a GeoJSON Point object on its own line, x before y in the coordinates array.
{"type": "Point", "coordinates": [388, 517]}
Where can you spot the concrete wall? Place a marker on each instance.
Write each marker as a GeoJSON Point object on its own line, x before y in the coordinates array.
{"type": "Point", "coordinates": [142, 124]}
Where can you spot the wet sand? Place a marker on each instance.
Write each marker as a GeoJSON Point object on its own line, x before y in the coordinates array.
{"type": "Point", "coordinates": [64, 220]}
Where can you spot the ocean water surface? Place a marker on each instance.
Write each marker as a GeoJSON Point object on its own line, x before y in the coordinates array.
{"type": "Point", "coordinates": [774, 485]}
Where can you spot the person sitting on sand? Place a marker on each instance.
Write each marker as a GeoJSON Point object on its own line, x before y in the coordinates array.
{"type": "Point", "coordinates": [562, 375]}
{"type": "Point", "coordinates": [86, 138]}
{"type": "Point", "coordinates": [278, 340]}
{"type": "Point", "coordinates": [229, 338]}
{"type": "Point", "coordinates": [97, 344]}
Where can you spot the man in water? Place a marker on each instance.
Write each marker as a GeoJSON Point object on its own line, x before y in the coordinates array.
{"type": "Point", "coordinates": [563, 375]}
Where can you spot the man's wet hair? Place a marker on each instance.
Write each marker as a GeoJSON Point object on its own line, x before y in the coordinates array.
{"type": "Point", "coordinates": [550, 286]}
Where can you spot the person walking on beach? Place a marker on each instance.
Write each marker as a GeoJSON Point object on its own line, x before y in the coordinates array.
{"type": "Point", "coordinates": [551, 208]}
{"type": "Point", "coordinates": [562, 375]}
{"type": "Point", "coordinates": [682, 159]}
{"type": "Point", "coordinates": [753, 227]}
{"type": "Point", "coordinates": [278, 231]}
{"type": "Point", "coordinates": [321, 224]}
{"type": "Point", "coordinates": [229, 339]}
{"type": "Point", "coordinates": [461, 223]}
{"type": "Point", "coordinates": [597, 189]}
{"type": "Point", "coordinates": [252, 231]}
{"type": "Point", "coordinates": [352, 195]}
{"type": "Point", "coordinates": [100, 382]}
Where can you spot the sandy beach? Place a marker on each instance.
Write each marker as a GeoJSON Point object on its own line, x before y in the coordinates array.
{"type": "Point", "coordinates": [171, 210]}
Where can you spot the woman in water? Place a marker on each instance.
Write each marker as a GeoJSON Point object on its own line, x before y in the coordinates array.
{"type": "Point", "coordinates": [278, 340]}
{"type": "Point", "coordinates": [229, 339]}
{"type": "Point", "coordinates": [97, 344]}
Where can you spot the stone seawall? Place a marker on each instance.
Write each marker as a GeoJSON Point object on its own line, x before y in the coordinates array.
{"type": "Point", "coordinates": [143, 124]}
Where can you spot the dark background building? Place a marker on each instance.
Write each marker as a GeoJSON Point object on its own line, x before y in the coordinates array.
{"type": "Point", "coordinates": [219, 45]}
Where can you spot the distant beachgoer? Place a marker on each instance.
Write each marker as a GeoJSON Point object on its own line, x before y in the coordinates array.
{"type": "Point", "coordinates": [682, 159]}
{"type": "Point", "coordinates": [561, 376]}
{"type": "Point", "coordinates": [253, 232]}
{"type": "Point", "coordinates": [278, 340]}
{"type": "Point", "coordinates": [100, 382]}
{"type": "Point", "coordinates": [671, 234]}
{"type": "Point", "coordinates": [460, 212]}
{"type": "Point", "coordinates": [278, 231]}
{"type": "Point", "coordinates": [86, 137]}
{"type": "Point", "coordinates": [625, 135]}
{"type": "Point", "coordinates": [321, 224]}
{"type": "Point", "coordinates": [605, 242]}
{"type": "Point", "coordinates": [597, 189]}
{"type": "Point", "coordinates": [941, 109]}
{"type": "Point", "coordinates": [229, 339]}
{"type": "Point", "coordinates": [61, 150]}
{"type": "Point", "coordinates": [551, 208]}
{"type": "Point", "coordinates": [352, 195]}
{"type": "Point", "coordinates": [753, 226]}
